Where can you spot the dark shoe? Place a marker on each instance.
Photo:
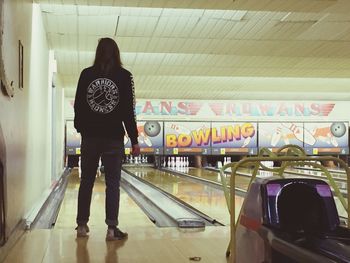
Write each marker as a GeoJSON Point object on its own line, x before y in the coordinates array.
{"type": "Point", "coordinates": [82, 231]}
{"type": "Point", "coordinates": [115, 234]}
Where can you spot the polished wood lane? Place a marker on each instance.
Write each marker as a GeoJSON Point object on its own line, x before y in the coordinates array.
{"type": "Point", "coordinates": [146, 243]}
{"type": "Point", "coordinates": [206, 199]}
{"type": "Point", "coordinates": [130, 213]}
{"type": "Point", "coordinates": [242, 182]}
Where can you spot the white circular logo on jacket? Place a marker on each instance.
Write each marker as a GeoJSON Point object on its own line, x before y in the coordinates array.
{"type": "Point", "coordinates": [102, 95]}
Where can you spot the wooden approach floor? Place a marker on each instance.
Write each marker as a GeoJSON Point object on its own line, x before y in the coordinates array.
{"type": "Point", "coordinates": [146, 243]}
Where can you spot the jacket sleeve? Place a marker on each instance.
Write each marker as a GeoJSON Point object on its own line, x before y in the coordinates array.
{"type": "Point", "coordinates": [130, 116]}
{"type": "Point", "coordinates": [78, 104]}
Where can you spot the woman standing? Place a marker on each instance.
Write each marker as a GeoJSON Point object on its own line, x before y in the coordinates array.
{"type": "Point", "coordinates": [104, 105]}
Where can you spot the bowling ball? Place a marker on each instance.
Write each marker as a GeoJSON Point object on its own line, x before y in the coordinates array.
{"type": "Point", "coordinates": [152, 128]}
{"type": "Point", "coordinates": [338, 129]}
{"type": "Point", "coordinates": [102, 169]}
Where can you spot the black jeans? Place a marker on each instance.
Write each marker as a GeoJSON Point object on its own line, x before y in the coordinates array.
{"type": "Point", "coordinates": [112, 152]}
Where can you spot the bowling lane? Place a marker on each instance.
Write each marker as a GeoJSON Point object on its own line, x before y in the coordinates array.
{"type": "Point", "coordinates": [332, 169]}
{"type": "Point", "coordinates": [241, 181]}
{"type": "Point", "coordinates": [244, 180]}
{"type": "Point", "coordinates": [130, 214]}
{"type": "Point", "coordinates": [337, 175]}
{"type": "Point", "coordinates": [291, 172]}
{"type": "Point", "coordinates": [301, 173]}
{"type": "Point", "coordinates": [340, 180]}
{"type": "Point", "coordinates": [207, 199]}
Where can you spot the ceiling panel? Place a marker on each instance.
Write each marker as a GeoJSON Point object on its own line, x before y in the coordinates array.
{"type": "Point", "coordinates": [328, 30]}
{"type": "Point", "coordinates": [88, 25]}
{"type": "Point", "coordinates": [237, 87]}
{"type": "Point", "coordinates": [208, 49]}
{"type": "Point", "coordinates": [256, 5]}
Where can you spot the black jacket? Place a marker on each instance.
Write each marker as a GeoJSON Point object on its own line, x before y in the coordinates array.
{"type": "Point", "coordinates": [103, 103]}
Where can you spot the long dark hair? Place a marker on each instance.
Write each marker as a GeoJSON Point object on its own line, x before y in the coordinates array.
{"type": "Point", "coordinates": [107, 56]}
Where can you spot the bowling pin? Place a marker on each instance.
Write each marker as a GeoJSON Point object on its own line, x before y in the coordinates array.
{"type": "Point", "coordinates": [286, 140]}
{"type": "Point", "coordinates": [126, 139]}
{"type": "Point", "coordinates": [147, 141]}
{"type": "Point", "coordinates": [177, 162]}
{"type": "Point", "coordinates": [79, 164]}
{"type": "Point", "coordinates": [169, 162]}
{"type": "Point", "coordinates": [276, 137]}
{"type": "Point", "coordinates": [296, 130]}
{"type": "Point", "coordinates": [219, 164]}
{"type": "Point", "coordinates": [309, 138]}
{"type": "Point", "coordinates": [99, 168]}
{"type": "Point", "coordinates": [141, 139]}
{"type": "Point", "coordinates": [246, 142]}
{"type": "Point", "coordinates": [180, 129]}
{"type": "Point", "coordinates": [334, 142]}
